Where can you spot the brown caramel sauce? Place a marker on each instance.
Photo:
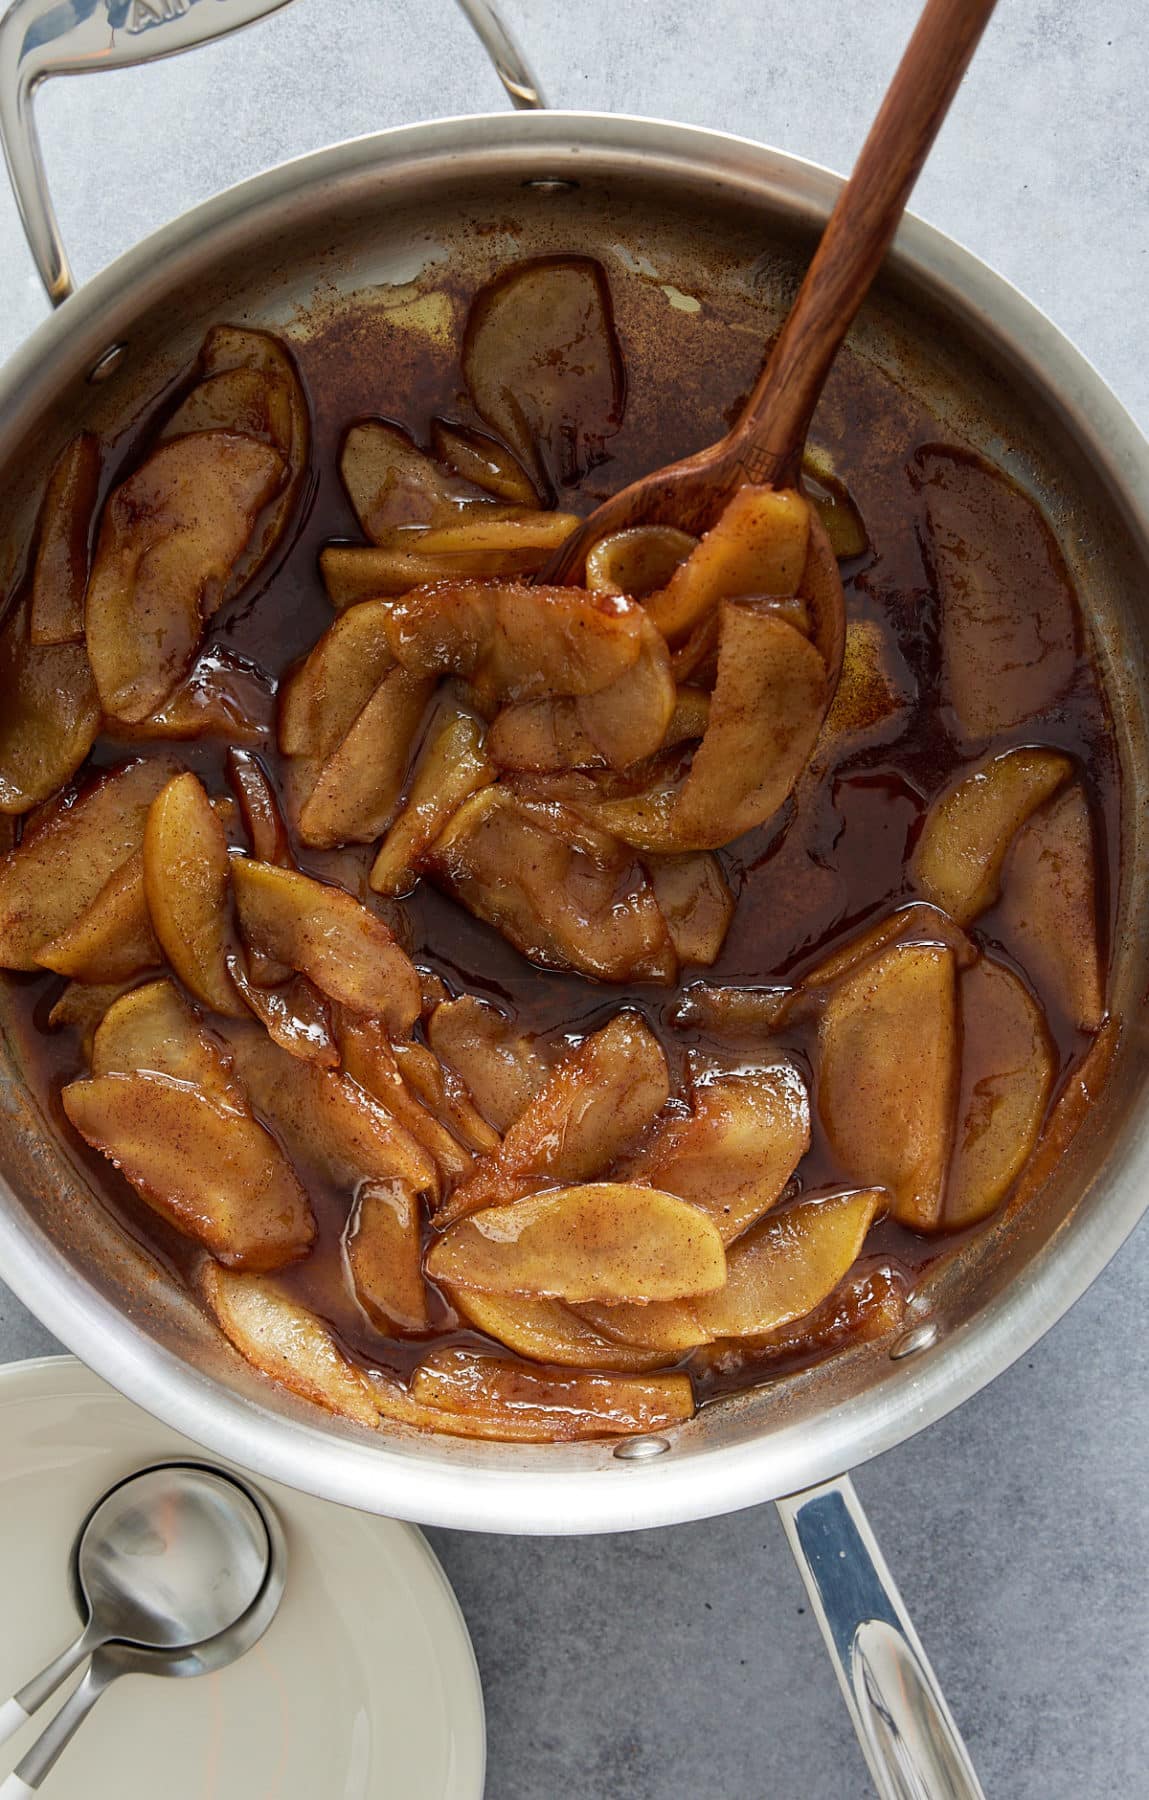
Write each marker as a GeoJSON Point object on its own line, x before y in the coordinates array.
{"type": "Point", "coordinates": [835, 860]}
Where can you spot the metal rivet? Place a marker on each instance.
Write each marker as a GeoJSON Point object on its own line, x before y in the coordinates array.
{"type": "Point", "coordinates": [642, 1449]}
{"type": "Point", "coordinates": [551, 184]}
{"type": "Point", "coordinates": [922, 1337]}
{"type": "Point", "coordinates": [106, 365]}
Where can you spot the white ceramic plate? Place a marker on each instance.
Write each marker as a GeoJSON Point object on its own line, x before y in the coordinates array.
{"type": "Point", "coordinates": [364, 1687]}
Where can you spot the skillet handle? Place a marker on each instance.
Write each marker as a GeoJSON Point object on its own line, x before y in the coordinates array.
{"type": "Point", "coordinates": [906, 1731]}
{"type": "Point", "coordinates": [43, 38]}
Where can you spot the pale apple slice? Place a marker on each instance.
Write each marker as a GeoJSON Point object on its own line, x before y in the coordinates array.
{"type": "Point", "coordinates": [64, 531]}
{"type": "Point", "coordinates": [152, 1030]}
{"type": "Point", "coordinates": [356, 792]}
{"type": "Point", "coordinates": [757, 548]}
{"type": "Point", "coordinates": [499, 1065]}
{"type": "Point", "coordinates": [970, 827]}
{"type": "Point", "coordinates": [214, 1173]}
{"type": "Point", "coordinates": [550, 1332]}
{"type": "Point", "coordinates": [787, 1264]}
{"type": "Point", "coordinates": [113, 939]}
{"type": "Point", "coordinates": [736, 1150]}
{"type": "Point", "coordinates": [590, 1110]}
{"type": "Point", "coordinates": [1048, 911]}
{"type": "Point", "coordinates": [452, 765]}
{"type": "Point", "coordinates": [637, 562]}
{"type": "Point", "coordinates": [490, 1396]}
{"type": "Point", "coordinates": [187, 876]}
{"type": "Point", "coordinates": [384, 1255]}
{"type": "Point", "coordinates": [260, 811]}
{"type": "Point", "coordinates": [172, 534]}
{"type": "Point", "coordinates": [695, 900]}
{"type": "Point", "coordinates": [888, 1055]}
{"type": "Point", "coordinates": [81, 1008]}
{"type": "Point", "coordinates": [484, 461]}
{"type": "Point", "coordinates": [294, 1014]}
{"type": "Point", "coordinates": [288, 1343]}
{"type": "Point", "coordinates": [440, 1090]}
{"type": "Point", "coordinates": [1008, 1067]}
{"type": "Point", "coordinates": [482, 548]}
{"type": "Point", "coordinates": [60, 865]}
{"type": "Point", "coordinates": [50, 716]}
{"type": "Point", "coordinates": [325, 934]}
{"type": "Point", "coordinates": [599, 1241]}
{"type": "Point", "coordinates": [369, 1060]}
{"type": "Point", "coordinates": [567, 895]}
{"type": "Point", "coordinates": [225, 696]}
{"type": "Point", "coordinates": [322, 697]}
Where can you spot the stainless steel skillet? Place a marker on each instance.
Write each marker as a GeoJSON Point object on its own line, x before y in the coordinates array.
{"type": "Point", "coordinates": [729, 223]}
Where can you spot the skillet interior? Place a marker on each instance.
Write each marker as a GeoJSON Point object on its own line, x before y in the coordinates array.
{"type": "Point", "coordinates": [331, 251]}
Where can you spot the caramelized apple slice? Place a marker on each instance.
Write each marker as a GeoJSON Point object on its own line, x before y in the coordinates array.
{"type": "Point", "coordinates": [481, 548]}
{"type": "Point", "coordinates": [737, 1149]}
{"type": "Point", "coordinates": [550, 1332]}
{"type": "Point", "coordinates": [667, 1328]}
{"type": "Point", "coordinates": [874, 690]}
{"type": "Point", "coordinates": [868, 1305]}
{"type": "Point", "coordinates": [81, 1008]}
{"type": "Point", "coordinates": [213, 1173]}
{"type": "Point", "coordinates": [294, 1014]}
{"type": "Point", "coordinates": [224, 696]}
{"type": "Point", "coordinates": [739, 1014]}
{"type": "Point", "coordinates": [757, 548]}
{"type": "Point", "coordinates": [491, 1397]}
{"type": "Point", "coordinates": [323, 696]}
{"type": "Point", "coordinates": [566, 895]}
{"type": "Point", "coordinates": [384, 1255]}
{"type": "Point", "coordinates": [499, 1065]}
{"type": "Point", "coordinates": [439, 1090]}
{"type": "Point", "coordinates": [1008, 1066]}
{"type": "Point", "coordinates": [695, 900]}
{"type": "Point", "coordinates": [543, 365]}
{"type": "Point", "coordinates": [637, 562]}
{"type": "Point", "coordinates": [357, 790]}
{"type": "Point", "coordinates": [286, 1342]}
{"type": "Point", "coordinates": [916, 923]}
{"type": "Point", "coordinates": [619, 725]}
{"type": "Point", "coordinates": [60, 571]}
{"type": "Point", "coordinates": [259, 809]}
{"type": "Point", "coordinates": [690, 717]}
{"type": "Point", "coordinates": [1048, 910]}
{"type": "Point", "coordinates": [369, 1059]}
{"type": "Point", "coordinates": [391, 483]}
{"type": "Point", "coordinates": [1008, 616]}
{"type": "Point", "coordinates": [113, 939]}
{"type": "Point", "coordinates": [50, 716]}
{"type": "Point", "coordinates": [153, 1031]}
{"type": "Point", "coordinates": [484, 461]}
{"type": "Point", "coordinates": [888, 1073]}
{"type": "Point", "coordinates": [970, 827]}
{"type": "Point", "coordinates": [788, 1263]}
{"type": "Point", "coordinates": [451, 766]}
{"type": "Point", "coordinates": [590, 1109]}
{"type": "Point", "coordinates": [59, 867]}
{"type": "Point", "coordinates": [325, 934]}
{"type": "Point", "coordinates": [187, 877]}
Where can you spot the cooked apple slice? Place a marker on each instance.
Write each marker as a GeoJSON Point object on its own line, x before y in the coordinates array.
{"type": "Point", "coordinates": [492, 1397]}
{"type": "Point", "coordinates": [357, 790]}
{"type": "Point", "coordinates": [483, 548]}
{"type": "Point", "coordinates": [250, 385]}
{"type": "Point", "coordinates": [327, 1120]}
{"type": "Point", "coordinates": [484, 461]}
{"type": "Point", "coordinates": [323, 696]}
{"type": "Point", "coordinates": [1008, 1067]}
{"type": "Point", "coordinates": [60, 570]}
{"type": "Point", "coordinates": [294, 1013]}
{"type": "Point", "coordinates": [787, 1263]}
{"type": "Point", "coordinates": [733, 1155]}
{"type": "Point", "coordinates": [970, 827]}
{"type": "Point", "coordinates": [391, 483]}
{"type": "Point", "coordinates": [695, 900]}
{"type": "Point", "coordinates": [325, 934]}
{"type": "Point", "coordinates": [113, 939]}
{"type": "Point", "coordinates": [59, 867]}
{"type": "Point", "coordinates": [620, 724]}
{"type": "Point", "coordinates": [288, 1343]}
{"type": "Point", "coordinates": [599, 1241]}
{"type": "Point", "coordinates": [224, 696]}
{"type": "Point", "coordinates": [81, 1008]}
{"type": "Point", "coordinates": [451, 766]}
{"type": "Point", "coordinates": [888, 1074]}
{"type": "Point", "coordinates": [757, 548]}
{"type": "Point", "coordinates": [566, 895]}
{"type": "Point", "coordinates": [171, 537]}
{"type": "Point", "coordinates": [916, 923]}
{"type": "Point", "coordinates": [214, 1173]}
{"type": "Point", "coordinates": [874, 690]}
{"type": "Point", "coordinates": [259, 809]}
{"type": "Point", "coordinates": [867, 1305]}
{"type": "Point", "coordinates": [384, 1255]}
{"type": "Point", "coordinates": [740, 1014]}
{"type": "Point", "coordinates": [1009, 630]}
{"type": "Point", "coordinates": [690, 717]}
{"type": "Point", "coordinates": [667, 1328]}
{"type": "Point", "coordinates": [187, 877]}
{"type": "Point", "coordinates": [440, 1090]}
{"type": "Point", "coordinates": [591, 1108]}
{"type": "Point", "coordinates": [1048, 911]}
{"type": "Point", "coordinates": [369, 1060]}
{"type": "Point", "coordinates": [550, 1332]}
{"type": "Point", "coordinates": [543, 365]}
{"type": "Point", "coordinates": [637, 562]}
{"type": "Point", "coordinates": [499, 1065]}
{"type": "Point", "coordinates": [50, 716]}
{"type": "Point", "coordinates": [152, 1030]}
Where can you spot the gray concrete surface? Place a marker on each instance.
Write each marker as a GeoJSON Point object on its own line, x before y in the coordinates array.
{"type": "Point", "coordinates": [680, 1665]}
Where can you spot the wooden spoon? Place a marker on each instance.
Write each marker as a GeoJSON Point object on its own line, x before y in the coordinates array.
{"type": "Point", "coordinates": [765, 446]}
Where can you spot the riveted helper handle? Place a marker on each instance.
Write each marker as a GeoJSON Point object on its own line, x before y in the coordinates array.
{"type": "Point", "coordinates": [43, 38]}
{"type": "Point", "coordinates": [906, 1731]}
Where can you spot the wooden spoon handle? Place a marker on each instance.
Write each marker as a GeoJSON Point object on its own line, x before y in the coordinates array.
{"type": "Point", "coordinates": [767, 441]}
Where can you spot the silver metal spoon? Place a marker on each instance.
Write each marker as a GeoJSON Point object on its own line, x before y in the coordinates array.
{"type": "Point", "coordinates": [112, 1660]}
{"type": "Point", "coordinates": [169, 1558]}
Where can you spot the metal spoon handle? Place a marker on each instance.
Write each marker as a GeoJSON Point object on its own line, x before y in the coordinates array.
{"type": "Point", "coordinates": [16, 1712]}
{"type": "Point", "coordinates": [58, 1733]}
